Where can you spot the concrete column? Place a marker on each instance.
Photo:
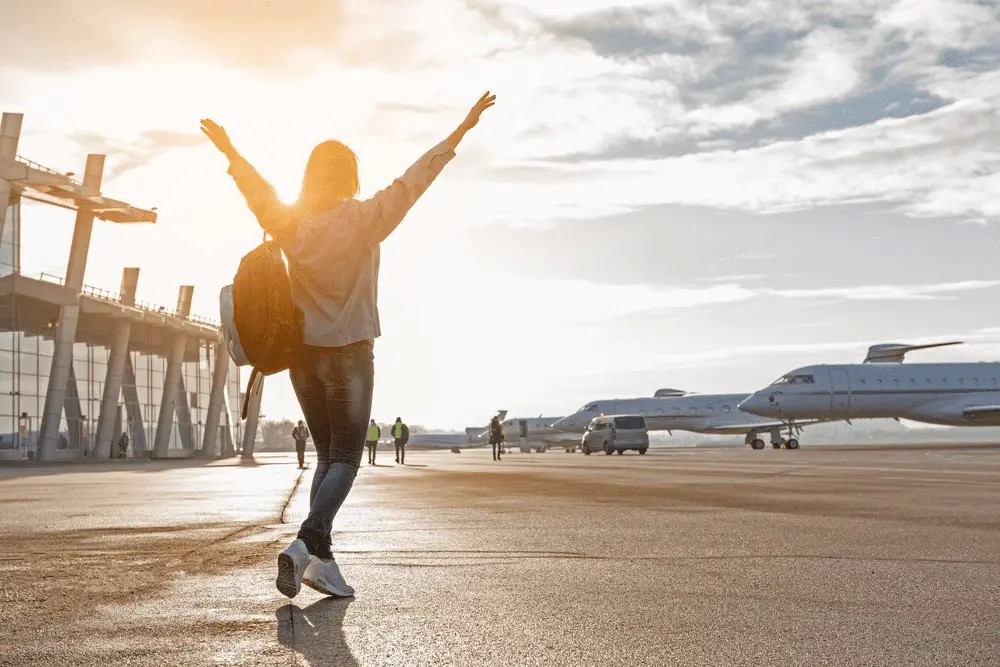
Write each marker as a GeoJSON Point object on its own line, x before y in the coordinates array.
{"type": "Point", "coordinates": [172, 378]}
{"type": "Point", "coordinates": [108, 422]}
{"type": "Point", "coordinates": [74, 415]}
{"type": "Point", "coordinates": [171, 391]}
{"type": "Point", "coordinates": [184, 424]}
{"type": "Point", "coordinates": [253, 414]}
{"type": "Point", "coordinates": [10, 133]}
{"type": "Point", "coordinates": [62, 357]}
{"type": "Point", "coordinates": [106, 436]}
{"type": "Point", "coordinates": [137, 433]}
{"type": "Point", "coordinates": [220, 376]}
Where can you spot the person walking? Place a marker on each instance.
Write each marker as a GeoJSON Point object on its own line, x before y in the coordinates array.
{"type": "Point", "coordinates": [371, 441]}
{"type": "Point", "coordinates": [332, 241]}
{"type": "Point", "coordinates": [400, 435]}
{"type": "Point", "coordinates": [496, 437]}
{"type": "Point", "coordinates": [123, 445]}
{"type": "Point", "coordinates": [300, 434]}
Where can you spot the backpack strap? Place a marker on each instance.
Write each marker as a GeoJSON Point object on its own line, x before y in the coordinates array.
{"type": "Point", "coordinates": [246, 394]}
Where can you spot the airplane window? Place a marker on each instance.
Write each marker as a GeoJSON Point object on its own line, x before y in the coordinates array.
{"type": "Point", "coordinates": [944, 382]}
{"type": "Point", "coordinates": [795, 379]}
{"type": "Point", "coordinates": [961, 381]}
{"type": "Point", "coordinates": [928, 382]}
{"type": "Point", "coordinates": [913, 382]}
{"type": "Point", "coordinates": [863, 381]}
{"type": "Point", "coordinates": [975, 381]}
{"type": "Point", "coordinates": [725, 409]}
{"type": "Point", "coordinates": [895, 382]}
{"type": "Point", "coordinates": [879, 382]}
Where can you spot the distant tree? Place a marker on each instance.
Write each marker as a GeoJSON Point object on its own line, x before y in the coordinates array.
{"type": "Point", "coordinates": [276, 435]}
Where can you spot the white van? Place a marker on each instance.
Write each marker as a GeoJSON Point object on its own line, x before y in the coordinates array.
{"type": "Point", "coordinates": [616, 433]}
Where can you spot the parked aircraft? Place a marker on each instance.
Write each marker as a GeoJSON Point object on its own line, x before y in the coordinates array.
{"type": "Point", "coordinates": [955, 394]}
{"type": "Point", "coordinates": [673, 410]}
{"type": "Point", "coordinates": [446, 440]}
{"type": "Point", "coordinates": [538, 431]}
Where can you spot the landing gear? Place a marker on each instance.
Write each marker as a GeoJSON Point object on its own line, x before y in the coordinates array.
{"type": "Point", "coordinates": [757, 443]}
{"type": "Point", "coordinates": [776, 445]}
{"type": "Point", "coordinates": [607, 449]}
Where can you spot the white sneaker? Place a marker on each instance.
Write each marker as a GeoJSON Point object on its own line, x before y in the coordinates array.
{"type": "Point", "coordinates": [324, 576]}
{"type": "Point", "coordinates": [292, 564]}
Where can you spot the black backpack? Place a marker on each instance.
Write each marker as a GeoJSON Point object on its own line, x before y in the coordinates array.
{"type": "Point", "coordinates": [263, 327]}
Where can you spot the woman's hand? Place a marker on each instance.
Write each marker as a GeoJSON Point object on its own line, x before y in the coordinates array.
{"type": "Point", "coordinates": [484, 103]}
{"type": "Point", "coordinates": [217, 134]}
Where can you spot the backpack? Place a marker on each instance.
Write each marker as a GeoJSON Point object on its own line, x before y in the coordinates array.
{"type": "Point", "coordinates": [404, 433]}
{"type": "Point", "coordinates": [261, 325]}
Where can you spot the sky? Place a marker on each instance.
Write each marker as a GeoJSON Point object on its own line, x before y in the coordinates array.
{"type": "Point", "coordinates": [667, 194]}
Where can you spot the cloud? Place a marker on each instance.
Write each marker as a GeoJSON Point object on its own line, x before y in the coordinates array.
{"type": "Point", "coordinates": [883, 292]}
{"type": "Point", "coordinates": [257, 34]}
{"type": "Point", "coordinates": [125, 156]}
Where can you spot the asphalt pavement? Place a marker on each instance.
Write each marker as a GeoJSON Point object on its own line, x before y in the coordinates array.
{"type": "Point", "coordinates": [821, 556]}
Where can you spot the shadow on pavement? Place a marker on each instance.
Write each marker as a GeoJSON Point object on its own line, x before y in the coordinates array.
{"type": "Point", "coordinates": [316, 632]}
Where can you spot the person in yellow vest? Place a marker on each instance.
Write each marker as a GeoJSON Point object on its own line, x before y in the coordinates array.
{"type": "Point", "coordinates": [400, 434]}
{"type": "Point", "coordinates": [371, 441]}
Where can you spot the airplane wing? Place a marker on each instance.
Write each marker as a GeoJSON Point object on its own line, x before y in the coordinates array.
{"type": "Point", "coordinates": [981, 411]}
{"type": "Point", "coordinates": [760, 425]}
{"type": "Point", "coordinates": [749, 426]}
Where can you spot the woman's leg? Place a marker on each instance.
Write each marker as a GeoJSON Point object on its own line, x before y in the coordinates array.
{"type": "Point", "coordinates": [312, 400]}
{"type": "Point", "coordinates": [347, 378]}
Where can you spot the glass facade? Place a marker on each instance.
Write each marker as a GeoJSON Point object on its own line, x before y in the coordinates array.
{"type": "Point", "coordinates": [25, 362]}
{"type": "Point", "coordinates": [27, 332]}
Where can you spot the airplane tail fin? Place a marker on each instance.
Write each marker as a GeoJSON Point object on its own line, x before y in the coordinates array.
{"type": "Point", "coordinates": [893, 353]}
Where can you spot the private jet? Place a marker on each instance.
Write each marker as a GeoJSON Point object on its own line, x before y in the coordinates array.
{"type": "Point", "coordinates": [674, 410]}
{"type": "Point", "coordinates": [535, 431]}
{"type": "Point", "coordinates": [953, 394]}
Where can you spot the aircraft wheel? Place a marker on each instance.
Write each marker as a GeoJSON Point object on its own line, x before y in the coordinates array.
{"type": "Point", "coordinates": [757, 443]}
{"type": "Point", "coordinates": [607, 449]}
{"type": "Point", "coordinates": [792, 443]}
{"type": "Point", "coordinates": [776, 445]}
{"type": "Point", "coordinates": [642, 451]}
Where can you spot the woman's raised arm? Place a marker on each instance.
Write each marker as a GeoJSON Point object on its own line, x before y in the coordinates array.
{"type": "Point", "coordinates": [273, 216]}
{"type": "Point", "coordinates": [387, 208]}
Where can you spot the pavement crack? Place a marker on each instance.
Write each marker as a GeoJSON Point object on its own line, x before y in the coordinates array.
{"type": "Point", "coordinates": [291, 495]}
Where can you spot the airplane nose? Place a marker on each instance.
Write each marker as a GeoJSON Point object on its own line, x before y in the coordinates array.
{"type": "Point", "coordinates": [565, 424]}
{"type": "Point", "coordinates": [753, 403]}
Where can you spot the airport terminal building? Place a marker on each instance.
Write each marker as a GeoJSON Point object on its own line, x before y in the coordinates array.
{"type": "Point", "coordinates": [79, 365]}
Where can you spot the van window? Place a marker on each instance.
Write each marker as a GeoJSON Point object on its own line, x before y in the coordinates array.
{"type": "Point", "coordinates": [630, 423]}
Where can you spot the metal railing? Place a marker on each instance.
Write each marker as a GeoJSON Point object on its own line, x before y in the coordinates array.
{"type": "Point", "coordinates": [115, 297]}
{"type": "Point", "coordinates": [51, 278]}
{"type": "Point", "coordinates": [41, 167]}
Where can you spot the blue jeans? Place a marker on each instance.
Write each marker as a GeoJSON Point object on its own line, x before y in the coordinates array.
{"type": "Point", "coordinates": [334, 387]}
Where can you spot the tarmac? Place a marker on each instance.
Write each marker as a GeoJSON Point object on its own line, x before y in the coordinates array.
{"type": "Point", "coordinates": [820, 556]}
